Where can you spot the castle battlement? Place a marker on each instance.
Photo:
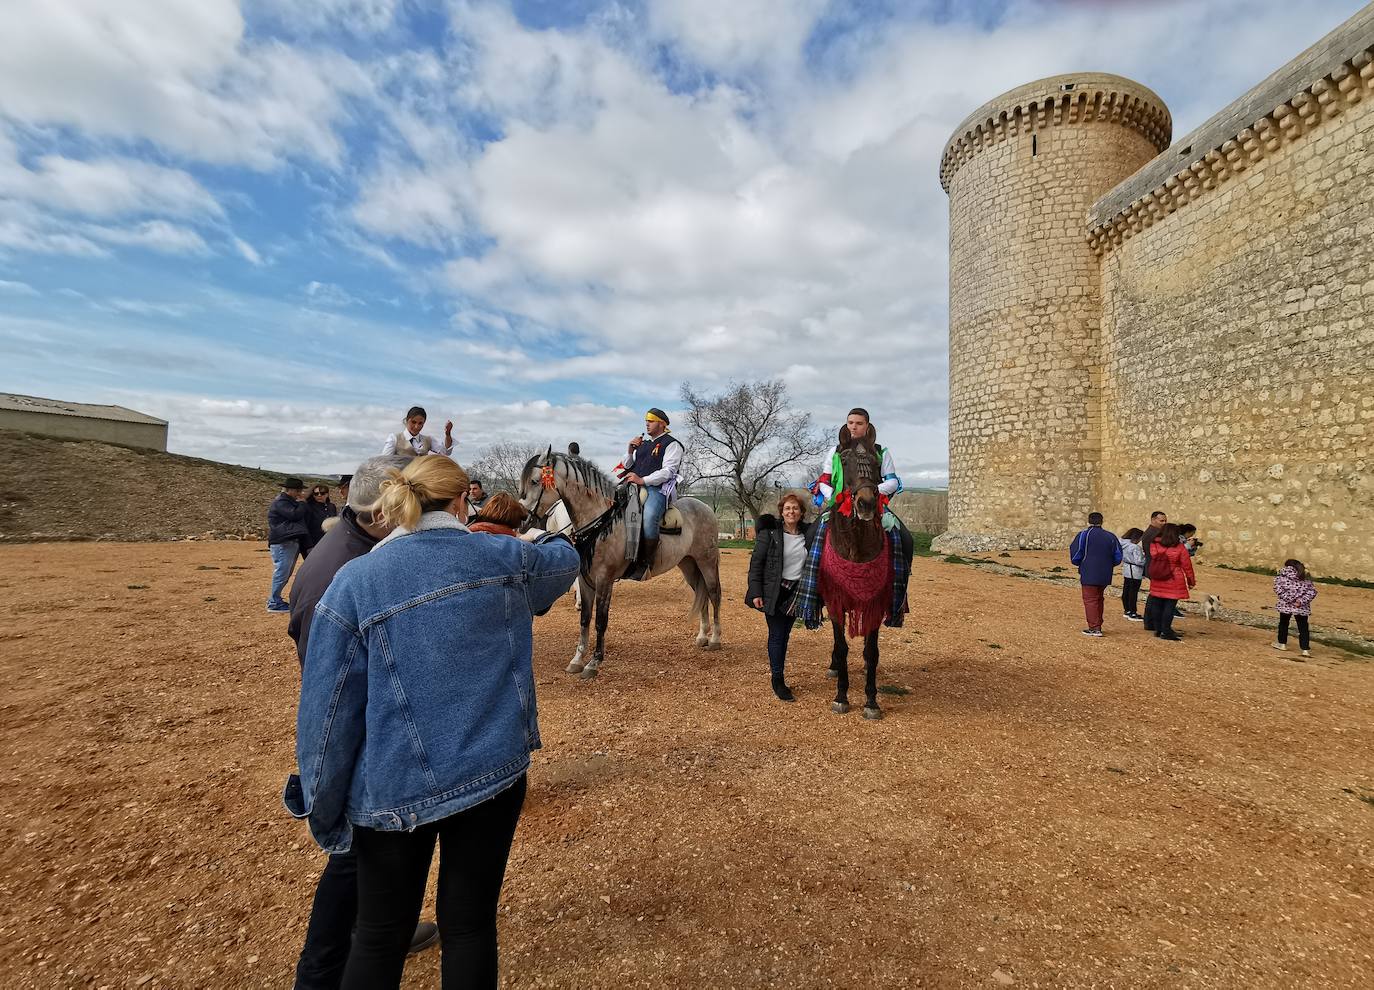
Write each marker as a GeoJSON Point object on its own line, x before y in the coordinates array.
{"type": "Point", "coordinates": [1317, 86]}
{"type": "Point", "coordinates": [1077, 98]}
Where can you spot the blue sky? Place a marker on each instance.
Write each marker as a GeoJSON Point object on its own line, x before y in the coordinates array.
{"type": "Point", "coordinates": [279, 225]}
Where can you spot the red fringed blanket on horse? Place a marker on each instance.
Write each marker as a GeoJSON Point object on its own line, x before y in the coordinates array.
{"type": "Point", "coordinates": [858, 595]}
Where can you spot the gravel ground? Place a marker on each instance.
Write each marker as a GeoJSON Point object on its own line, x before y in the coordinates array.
{"type": "Point", "coordinates": [1037, 809]}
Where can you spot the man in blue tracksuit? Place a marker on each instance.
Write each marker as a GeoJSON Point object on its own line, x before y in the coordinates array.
{"type": "Point", "coordinates": [1095, 552]}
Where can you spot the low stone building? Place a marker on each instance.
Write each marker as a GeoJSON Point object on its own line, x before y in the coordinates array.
{"type": "Point", "coordinates": [82, 421]}
{"type": "Point", "coordinates": [1140, 325]}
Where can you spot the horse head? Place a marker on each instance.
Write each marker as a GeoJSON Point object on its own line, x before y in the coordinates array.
{"type": "Point", "coordinates": [862, 471]}
{"type": "Point", "coordinates": [539, 486]}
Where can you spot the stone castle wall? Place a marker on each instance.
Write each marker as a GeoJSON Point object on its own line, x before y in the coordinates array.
{"type": "Point", "coordinates": [1238, 335]}
{"type": "Point", "coordinates": [1024, 309]}
{"type": "Point", "coordinates": [1214, 358]}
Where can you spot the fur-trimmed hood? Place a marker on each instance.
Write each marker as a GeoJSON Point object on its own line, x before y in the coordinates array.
{"type": "Point", "coordinates": [766, 521]}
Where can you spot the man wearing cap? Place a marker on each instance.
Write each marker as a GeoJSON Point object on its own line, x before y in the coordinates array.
{"type": "Point", "coordinates": [286, 530]}
{"type": "Point", "coordinates": [653, 463]}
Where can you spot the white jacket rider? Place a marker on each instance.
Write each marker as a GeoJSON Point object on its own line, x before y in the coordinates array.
{"type": "Point", "coordinates": [857, 422]}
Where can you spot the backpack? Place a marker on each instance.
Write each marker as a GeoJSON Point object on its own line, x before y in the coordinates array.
{"type": "Point", "coordinates": [1161, 567]}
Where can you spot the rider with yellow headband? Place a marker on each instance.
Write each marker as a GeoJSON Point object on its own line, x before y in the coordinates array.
{"type": "Point", "coordinates": [653, 463]}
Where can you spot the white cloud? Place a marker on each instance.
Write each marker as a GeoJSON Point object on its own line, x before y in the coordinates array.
{"type": "Point", "coordinates": [247, 251]}
{"type": "Point", "coordinates": [8, 288]}
{"type": "Point", "coordinates": [328, 294]}
{"type": "Point", "coordinates": [153, 235]}
{"type": "Point", "coordinates": [735, 34]}
{"type": "Point", "coordinates": [145, 307]}
{"type": "Point", "coordinates": [181, 75]}
{"type": "Point", "coordinates": [104, 187]}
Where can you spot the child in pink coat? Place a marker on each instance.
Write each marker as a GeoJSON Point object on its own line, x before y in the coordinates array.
{"type": "Point", "coordinates": [1295, 591]}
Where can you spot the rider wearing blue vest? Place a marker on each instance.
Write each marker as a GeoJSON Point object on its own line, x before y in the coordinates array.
{"type": "Point", "coordinates": [831, 478]}
{"type": "Point", "coordinates": [653, 463]}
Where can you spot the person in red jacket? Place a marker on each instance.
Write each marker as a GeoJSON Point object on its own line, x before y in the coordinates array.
{"type": "Point", "coordinates": [1170, 570]}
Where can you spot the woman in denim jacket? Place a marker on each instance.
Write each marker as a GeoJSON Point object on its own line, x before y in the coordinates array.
{"type": "Point", "coordinates": [417, 718]}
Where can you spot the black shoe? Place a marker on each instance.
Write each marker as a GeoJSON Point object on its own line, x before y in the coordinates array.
{"type": "Point", "coordinates": [1171, 637]}
{"type": "Point", "coordinates": [648, 549]}
{"type": "Point", "coordinates": [782, 691]}
{"type": "Point", "coordinates": [426, 935]}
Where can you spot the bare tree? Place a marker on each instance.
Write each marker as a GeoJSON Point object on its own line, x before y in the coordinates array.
{"type": "Point", "coordinates": [748, 437]}
{"type": "Point", "coordinates": [499, 464]}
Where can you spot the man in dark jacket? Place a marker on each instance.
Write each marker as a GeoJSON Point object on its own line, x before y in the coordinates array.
{"type": "Point", "coordinates": [286, 531]}
{"type": "Point", "coordinates": [1096, 552]}
{"type": "Point", "coordinates": [330, 933]}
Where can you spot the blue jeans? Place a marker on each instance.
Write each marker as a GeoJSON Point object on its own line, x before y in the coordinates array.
{"type": "Point", "coordinates": [655, 505]}
{"type": "Point", "coordinates": [283, 563]}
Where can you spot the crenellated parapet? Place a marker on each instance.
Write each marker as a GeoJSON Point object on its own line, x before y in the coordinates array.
{"type": "Point", "coordinates": [1300, 99]}
{"type": "Point", "coordinates": [1078, 98]}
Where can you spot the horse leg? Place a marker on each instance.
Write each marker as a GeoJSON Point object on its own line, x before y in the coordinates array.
{"type": "Point", "coordinates": [691, 573]}
{"type": "Point", "coordinates": [839, 663]}
{"type": "Point", "coordinates": [710, 573]}
{"type": "Point", "coordinates": [871, 709]}
{"type": "Point", "coordinates": [603, 618]}
{"type": "Point", "coordinates": [586, 598]}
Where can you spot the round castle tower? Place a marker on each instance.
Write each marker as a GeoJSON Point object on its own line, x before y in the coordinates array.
{"type": "Point", "coordinates": [1022, 173]}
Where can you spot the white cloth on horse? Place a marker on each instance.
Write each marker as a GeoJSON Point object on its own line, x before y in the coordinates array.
{"type": "Point", "coordinates": [389, 447]}
{"type": "Point", "coordinates": [438, 519]}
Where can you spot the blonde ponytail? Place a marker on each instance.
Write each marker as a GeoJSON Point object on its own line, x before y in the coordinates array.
{"type": "Point", "coordinates": [427, 484]}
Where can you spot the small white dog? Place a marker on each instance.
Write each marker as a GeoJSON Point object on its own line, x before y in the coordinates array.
{"type": "Point", "coordinates": [1211, 606]}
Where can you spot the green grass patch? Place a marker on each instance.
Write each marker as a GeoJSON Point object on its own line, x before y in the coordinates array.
{"type": "Point", "coordinates": [893, 689]}
{"type": "Point", "coordinates": [1348, 645]}
{"type": "Point", "coordinates": [994, 646]}
{"type": "Point", "coordinates": [1250, 569]}
{"type": "Point", "coordinates": [920, 542]}
{"type": "Point", "coordinates": [1345, 582]}
{"type": "Point", "coordinates": [736, 544]}
{"type": "Point", "coordinates": [954, 558]}
{"type": "Point", "coordinates": [207, 567]}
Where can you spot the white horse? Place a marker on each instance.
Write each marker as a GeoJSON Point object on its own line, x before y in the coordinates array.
{"type": "Point", "coordinates": [595, 507]}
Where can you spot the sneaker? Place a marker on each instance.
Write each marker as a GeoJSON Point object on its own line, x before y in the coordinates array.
{"type": "Point", "coordinates": [1171, 637]}
{"type": "Point", "coordinates": [279, 608]}
{"type": "Point", "coordinates": [1088, 632]}
{"type": "Point", "coordinates": [1279, 646]}
{"type": "Point", "coordinates": [1307, 653]}
{"type": "Point", "coordinates": [1098, 633]}
{"type": "Point", "coordinates": [1132, 617]}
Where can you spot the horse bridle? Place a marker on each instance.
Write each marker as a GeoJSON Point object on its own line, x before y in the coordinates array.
{"type": "Point", "coordinates": [864, 475]}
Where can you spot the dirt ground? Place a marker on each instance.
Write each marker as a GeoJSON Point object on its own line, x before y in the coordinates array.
{"type": "Point", "coordinates": [1038, 809]}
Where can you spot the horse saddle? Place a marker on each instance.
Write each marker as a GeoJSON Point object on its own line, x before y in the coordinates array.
{"type": "Point", "coordinates": [672, 519]}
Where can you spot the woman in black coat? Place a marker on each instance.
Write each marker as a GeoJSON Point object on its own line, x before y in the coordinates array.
{"type": "Point", "coordinates": [318, 508]}
{"type": "Point", "coordinates": [780, 550]}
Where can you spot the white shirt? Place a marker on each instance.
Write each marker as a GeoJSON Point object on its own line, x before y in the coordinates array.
{"type": "Point", "coordinates": [389, 447]}
{"type": "Point", "coordinates": [793, 555]}
{"type": "Point", "coordinates": [889, 486]}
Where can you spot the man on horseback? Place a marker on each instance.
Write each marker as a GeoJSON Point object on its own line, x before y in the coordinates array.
{"type": "Point", "coordinates": [652, 463]}
{"type": "Point", "coordinates": [831, 481]}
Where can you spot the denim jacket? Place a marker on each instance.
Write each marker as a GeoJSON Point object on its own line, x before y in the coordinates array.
{"type": "Point", "coordinates": [417, 692]}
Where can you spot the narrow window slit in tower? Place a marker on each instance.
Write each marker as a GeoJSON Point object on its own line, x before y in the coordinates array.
{"type": "Point", "coordinates": [1033, 147]}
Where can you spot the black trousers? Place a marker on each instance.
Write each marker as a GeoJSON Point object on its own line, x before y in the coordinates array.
{"type": "Point", "coordinates": [1130, 595]}
{"type": "Point", "coordinates": [330, 933]}
{"type": "Point", "coordinates": [1159, 614]}
{"type": "Point", "coordinates": [393, 868]}
{"type": "Point", "coordinates": [780, 631]}
{"type": "Point", "coordinates": [1304, 634]}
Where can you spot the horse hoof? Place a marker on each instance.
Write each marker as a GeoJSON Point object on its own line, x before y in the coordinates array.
{"type": "Point", "coordinates": [832, 673]}
{"type": "Point", "coordinates": [574, 668]}
{"type": "Point", "coordinates": [840, 707]}
{"type": "Point", "coordinates": [873, 714]}
{"type": "Point", "coordinates": [711, 646]}
{"type": "Point", "coordinates": [589, 673]}
{"type": "Point", "coordinates": [703, 641]}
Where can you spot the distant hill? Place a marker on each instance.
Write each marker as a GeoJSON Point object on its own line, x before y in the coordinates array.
{"type": "Point", "coordinates": [55, 489]}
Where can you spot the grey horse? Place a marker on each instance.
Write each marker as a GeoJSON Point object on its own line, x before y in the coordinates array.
{"type": "Point", "coordinates": [596, 507]}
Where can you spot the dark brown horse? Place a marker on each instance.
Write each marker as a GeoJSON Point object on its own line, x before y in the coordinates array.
{"type": "Point", "coordinates": [856, 568]}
